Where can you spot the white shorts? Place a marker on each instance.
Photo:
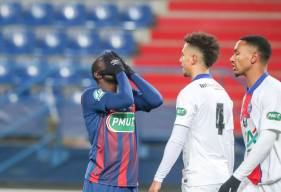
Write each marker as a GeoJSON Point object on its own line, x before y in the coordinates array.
{"type": "Point", "coordinates": [205, 188]}
{"type": "Point", "coordinates": [249, 187]}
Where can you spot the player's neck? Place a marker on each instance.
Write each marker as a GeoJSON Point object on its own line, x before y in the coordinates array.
{"type": "Point", "coordinates": [198, 71]}
{"type": "Point", "coordinates": [253, 75]}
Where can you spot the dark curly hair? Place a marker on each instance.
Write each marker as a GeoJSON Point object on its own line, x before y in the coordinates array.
{"type": "Point", "coordinates": [207, 44]}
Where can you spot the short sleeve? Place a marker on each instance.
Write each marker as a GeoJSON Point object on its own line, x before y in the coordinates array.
{"type": "Point", "coordinates": [271, 110]}
{"type": "Point", "coordinates": [185, 109]}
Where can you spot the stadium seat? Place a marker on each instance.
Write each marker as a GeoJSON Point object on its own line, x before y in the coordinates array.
{"type": "Point", "coordinates": [51, 43]}
{"type": "Point", "coordinates": [18, 42]}
{"type": "Point", "coordinates": [85, 78]}
{"type": "Point", "coordinates": [137, 15]}
{"type": "Point", "coordinates": [71, 14]}
{"type": "Point", "coordinates": [26, 70]}
{"type": "Point", "coordinates": [83, 43]}
{"type": "Point", "coordinates": [39, 14]}
{"type": "Point", "coordinates": [65, 71]}
{"type": "Point", "coordinates": [6, 71]}
{"type": "Point", "coordinates": [103, 15]}
{"type": "Point", "coordinates": [120, 41]}
{"type": "Point", "coordinates": [10, 13]}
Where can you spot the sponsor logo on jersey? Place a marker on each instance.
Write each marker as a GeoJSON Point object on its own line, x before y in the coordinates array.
{"type": "Point", "coordinates": [250, 108]}
{"type": "Point", "coordinates": [181, 111]}
{"type": "Point", "coordinates": [121, 122]}
{"type": "Point", "coordinates": [251, 138]}
{"type": "Point", "coordinates": [98, 94]}
{"type": "Point", "coordinates": [274, 116]}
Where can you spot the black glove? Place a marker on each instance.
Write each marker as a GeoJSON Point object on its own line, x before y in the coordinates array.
{"type": "Point", "coordinates": [128, 70]}
{"type": "Point", "coordinates": [113, 64]}
{"type": "Point", "coordinates": [231, 185]}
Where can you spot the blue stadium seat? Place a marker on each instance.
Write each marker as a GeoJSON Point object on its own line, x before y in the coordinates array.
{"type": "Point", "coordinates": [104, 15]}
{"type": "Point", "coordinates": [71, 14]}
{"type": "Point", "coordinates": [39, 14]}
{"type": "Point", "coordinates": [120, 41]}
{"type": "Point", "coordinates": [84, 43]}
{"type": "Point", "coordinates": [85, 78]}
{"type": "Point", "coordinates": [65, 71]}
{"type": "Point", "coordinates": [6, 71]}
{"type": "Point", "coordinates": [10, 13]}
{"type": "Point", "coordinates": [51, 43]}
{"type": "Point", "coordinates": [18, 42]}
{"type": "Point", "coordinates": [26, 70]}
{"type": "Point", "coordinates": [137, 15]}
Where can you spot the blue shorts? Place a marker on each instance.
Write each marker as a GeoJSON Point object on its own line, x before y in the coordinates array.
{"type": "Point", "coordinates": [95, 187]}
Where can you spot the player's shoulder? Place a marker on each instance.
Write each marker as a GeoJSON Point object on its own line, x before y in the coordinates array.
{"type": "Point", "coordinates": [270, 85]}
{"type": "Point", "coordinates": [269, 89]}
{"type": "Point", "coordinates": [190, 91]}
{"type": "Point", "coordinates": [93, 92]}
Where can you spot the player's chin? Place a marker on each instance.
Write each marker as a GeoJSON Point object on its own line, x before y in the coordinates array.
{"type": "Point", "coordinates": [237, 73]}
{"type": "Point", "coordinates": [185, 74]}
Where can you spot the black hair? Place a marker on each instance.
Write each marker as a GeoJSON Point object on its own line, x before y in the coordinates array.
{"type": "Point", "coordinates": [263, 46]}
{"type": "Point", "coordinates": [207, 44]}
{"type": "Point", "coordinates": [96, 66]}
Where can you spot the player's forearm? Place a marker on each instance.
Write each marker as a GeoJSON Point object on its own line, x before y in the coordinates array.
{"type": "Point", "coordinates": [258, 153]}
{"type": "Point", "coordinates": [124, 97]}
{"type": "Point", "coordinates": [172, 151]}
{"type": "Point", "coordinates": [150, 94]}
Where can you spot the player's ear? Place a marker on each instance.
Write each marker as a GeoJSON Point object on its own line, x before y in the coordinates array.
{"type": "Point", "coordinates": [254, 58]}
{"type": "Point", "coordinates": [97, 75]}
{"type": "Point", "coordinates": [194, 59]}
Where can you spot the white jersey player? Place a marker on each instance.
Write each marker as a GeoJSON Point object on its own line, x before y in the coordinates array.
{"type": "Point", "coordinates": [260, 120]}
{"type": "Point", "coordinates": [203, 129]}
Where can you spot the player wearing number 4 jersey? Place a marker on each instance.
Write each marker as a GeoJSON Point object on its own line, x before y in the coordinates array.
{"type": "Point", "coordinates": [109, 113]}
{"type": "Point", "coordinates": [260, 120]}
{"type": "Point", "coordinates": [203, 128]}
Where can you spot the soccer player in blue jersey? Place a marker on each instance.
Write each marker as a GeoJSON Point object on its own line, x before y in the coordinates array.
{"type": "Point", "coordinates": [109, 113]}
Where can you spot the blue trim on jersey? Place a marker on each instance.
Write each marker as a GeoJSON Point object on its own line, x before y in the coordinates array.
{"type": "Point", "coordinates": [200, 76]}
{"type": "Point", "coordinates": [257, 83]}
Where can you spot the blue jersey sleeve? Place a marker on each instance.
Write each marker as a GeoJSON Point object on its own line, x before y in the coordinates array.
{"type": "Point", "coordinates": [147, 97]}
{"type": "Point", "coordinates": [95, 99]}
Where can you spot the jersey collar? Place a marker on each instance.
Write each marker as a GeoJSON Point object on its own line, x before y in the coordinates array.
{"type": "Point", "coordinates": [257, 83]}
{"type": "Point", "coordinates": [200, 76]}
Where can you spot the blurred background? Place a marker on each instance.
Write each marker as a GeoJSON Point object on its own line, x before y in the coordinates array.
{"type": "Point", "coordinates": [46, 51]}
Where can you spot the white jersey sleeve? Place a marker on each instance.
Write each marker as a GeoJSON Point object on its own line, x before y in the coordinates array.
{"type": "Point", "coordinates": [258, 153]}
{"type": "Point", "coordinates": [172, 151]}
{"type": "Point", "coordinates": [186, 109]}
{"type": "Point", "coordinates": [271, 110]}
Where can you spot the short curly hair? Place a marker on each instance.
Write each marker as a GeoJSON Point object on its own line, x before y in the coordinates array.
{"type": "Point", "coordinates": [207, 44]}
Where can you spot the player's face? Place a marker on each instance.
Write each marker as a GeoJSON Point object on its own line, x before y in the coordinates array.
{"type": "Point", "coordinates": [185, 60]}
{"type": "Point", "coordinates": [241, 59]}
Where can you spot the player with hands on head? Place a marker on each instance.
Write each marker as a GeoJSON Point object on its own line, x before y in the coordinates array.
{"type": "Point", "coordinates": [260, 119]}
{"type": "Point", "coordinates": [203, 128]}
{"type": "Point", "coordinates": [109, 114]}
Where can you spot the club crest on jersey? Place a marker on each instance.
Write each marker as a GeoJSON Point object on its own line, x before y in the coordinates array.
{"type": "Point", "coordinates": [249, 108]}
{"type": "Point", "coordinates": [98, 94]}
{"type": "Point", "coordinates": [181, 111]}
{"type": "Point", "coordinates": [275, 116]}
{"type": "Point", "coordinates": [121, 122]}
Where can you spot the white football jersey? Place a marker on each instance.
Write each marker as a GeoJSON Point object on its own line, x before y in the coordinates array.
{"type": "Point", "coordinates": [206, 109]}
{"type": "Point", "coordinates": [261, 109]}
